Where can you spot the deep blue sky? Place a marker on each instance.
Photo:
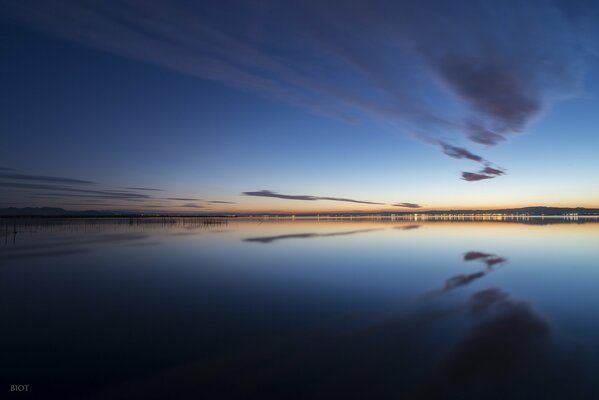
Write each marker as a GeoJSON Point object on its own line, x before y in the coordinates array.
{"type": "Point", "coordinates": [487, 106]}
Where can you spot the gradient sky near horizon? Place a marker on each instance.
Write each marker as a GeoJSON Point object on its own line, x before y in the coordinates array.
{"type": "Point", "coordinates": [239, 106]}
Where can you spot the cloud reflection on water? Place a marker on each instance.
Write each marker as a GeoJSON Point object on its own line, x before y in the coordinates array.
{"type": "Point", "coordinates": [270, 239]}
{"type": "Point", "coordinates": [500, 348]}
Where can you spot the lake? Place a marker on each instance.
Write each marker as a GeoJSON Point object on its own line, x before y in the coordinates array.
{"type": "Point", "coordinates": [312, 309]}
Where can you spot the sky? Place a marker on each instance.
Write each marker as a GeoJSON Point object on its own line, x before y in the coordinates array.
{"type": "Point", "coordinates": [298, 106]}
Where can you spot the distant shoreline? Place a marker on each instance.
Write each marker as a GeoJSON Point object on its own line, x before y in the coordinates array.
{"type": "Point", "coordinates": [529, 212]}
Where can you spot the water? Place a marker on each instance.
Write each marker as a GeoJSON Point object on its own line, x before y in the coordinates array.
{"type": "Point", "coordinates": [189, 308]}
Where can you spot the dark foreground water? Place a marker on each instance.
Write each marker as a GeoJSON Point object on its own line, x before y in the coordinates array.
{"type": "Point", "coordinates": [189, 308]}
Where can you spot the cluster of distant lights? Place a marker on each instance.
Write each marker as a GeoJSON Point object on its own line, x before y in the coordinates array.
{"type": "Point", "coordinates": [417, 216]}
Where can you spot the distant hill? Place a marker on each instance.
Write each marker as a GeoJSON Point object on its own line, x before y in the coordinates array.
{"type": "Point", "coordinates": [60, 212]}
{"type": "Point", "coordinates": [536, 210]}
{"type": "Point", "coordinates": [52, 211]}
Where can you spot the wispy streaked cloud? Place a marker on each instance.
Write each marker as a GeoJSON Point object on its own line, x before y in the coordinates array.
{"type": "Point", "coordinates": [182, 198]}
{"type": "Point", "coordinates": [459, 152]}
{"type": "Point", "coordinates": [407, 205]}
{"type": "Point", "coordinates": [488, 69]}
{"type": "Point", "coordinates": [192, 205]}
{"type": "Point", "coordinates": [268, 193]}
{"type": "Point", "coordinates": [43, 178]}
{"type": "Point", "coordinates": [64, 191]}
{"type": "Point", "coordinates": [116, 194]}
{"type": "Point", "coordinates": [146, 189]}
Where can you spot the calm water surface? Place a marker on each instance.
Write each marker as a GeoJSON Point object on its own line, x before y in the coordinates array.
{"type": "Point", "coordinates": [181, 308]}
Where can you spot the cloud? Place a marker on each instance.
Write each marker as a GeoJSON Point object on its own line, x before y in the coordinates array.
{"type": "Point", "coordinates": [192, 205]}
{"type": "Point", "coordinates": [407, 205]}
{"type": "Point", "coordinates": [43, 178]}
{"type": "Point", "coordinates": [268, 193]}
{"type": "Point", "coordinates": [145, 189]}
{"type": "Point", "coordinates": [480, 134]}
{"type": "Point", "coordinates": [115, 194]}
{"type": "Point", "coordinates": [86, 192]}
{"type": "Point", "coordinates": [182, 198]}
{"type": "Point", "coordinates": [434, 68]}
{"type": "Point", "coordinates": [459, 152]}
{"type": "Point", "coordinates": [488, 172]}
{"type": "Point", "coordinates": [492, 171]}
{"type": "Point", "coordinates": [220, 202]}
{"type": "Point", "coordinates": [472, 176]}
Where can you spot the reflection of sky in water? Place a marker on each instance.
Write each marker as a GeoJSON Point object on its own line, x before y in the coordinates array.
{"type": "Point", "coordinates": [320, 309]}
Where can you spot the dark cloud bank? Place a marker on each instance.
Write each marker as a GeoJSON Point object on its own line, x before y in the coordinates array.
{"type": "Point", "coordinates": [439, 70]}
{"type": "Point", "coordinates": [86, 192]}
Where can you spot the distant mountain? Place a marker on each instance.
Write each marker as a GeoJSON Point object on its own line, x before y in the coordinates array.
{"type": "Point", "coordinates": [536, 210]}
{"type": "Point", "coordinates": [52, 211]}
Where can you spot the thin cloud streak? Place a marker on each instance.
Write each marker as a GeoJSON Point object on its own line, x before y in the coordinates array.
{"type": "Point", "coordinates": [219, 202]}
{"type": "Point", "coordinates": [459, 152]}
{"type": "Point", "coordinates": [268, 193]}
{"type": "Point", "coordinates": [60, 188]}
{"type": "Point", "coordinates": [192, 205]}
{"type": "Point", "coordinates": [145, 189]}
{"type": "Point", "coordinates": [407, 205]}
{"type": "Point", "coordinates": [182, 198]}
{"type": "Point", "coordinates": [43, 178]}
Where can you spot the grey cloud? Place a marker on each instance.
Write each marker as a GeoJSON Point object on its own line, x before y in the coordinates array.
{"type": "Point", "coordinates": [146, 189]}
{"type": "Point", "coordinates": [182, 198]}
{"type": "Point", "coordinates": [192, 205]}
{"type": "Point", "coordinates": [220, 202]}
{"type": "Point", "coordinates": [494, 89]}
{"type": "Point", "coordinates": [473, 176]}
{"type": "Point", "coordinates": [116, 194]}
{"type": "Point", "coordinates": [407, 205]}
{"type": "Point", "coordinates": [492, 171]}
{"type": "Point", "coordinates": [459, 152]}
{"type": "Point", "coordinates": [268, 193]}
{"type": "Point", "coordinates": [43, 178]}
{"type": "Point", "coordinates": [347, 200]}
{"type": "Point", "coordinates": [482, 135]}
